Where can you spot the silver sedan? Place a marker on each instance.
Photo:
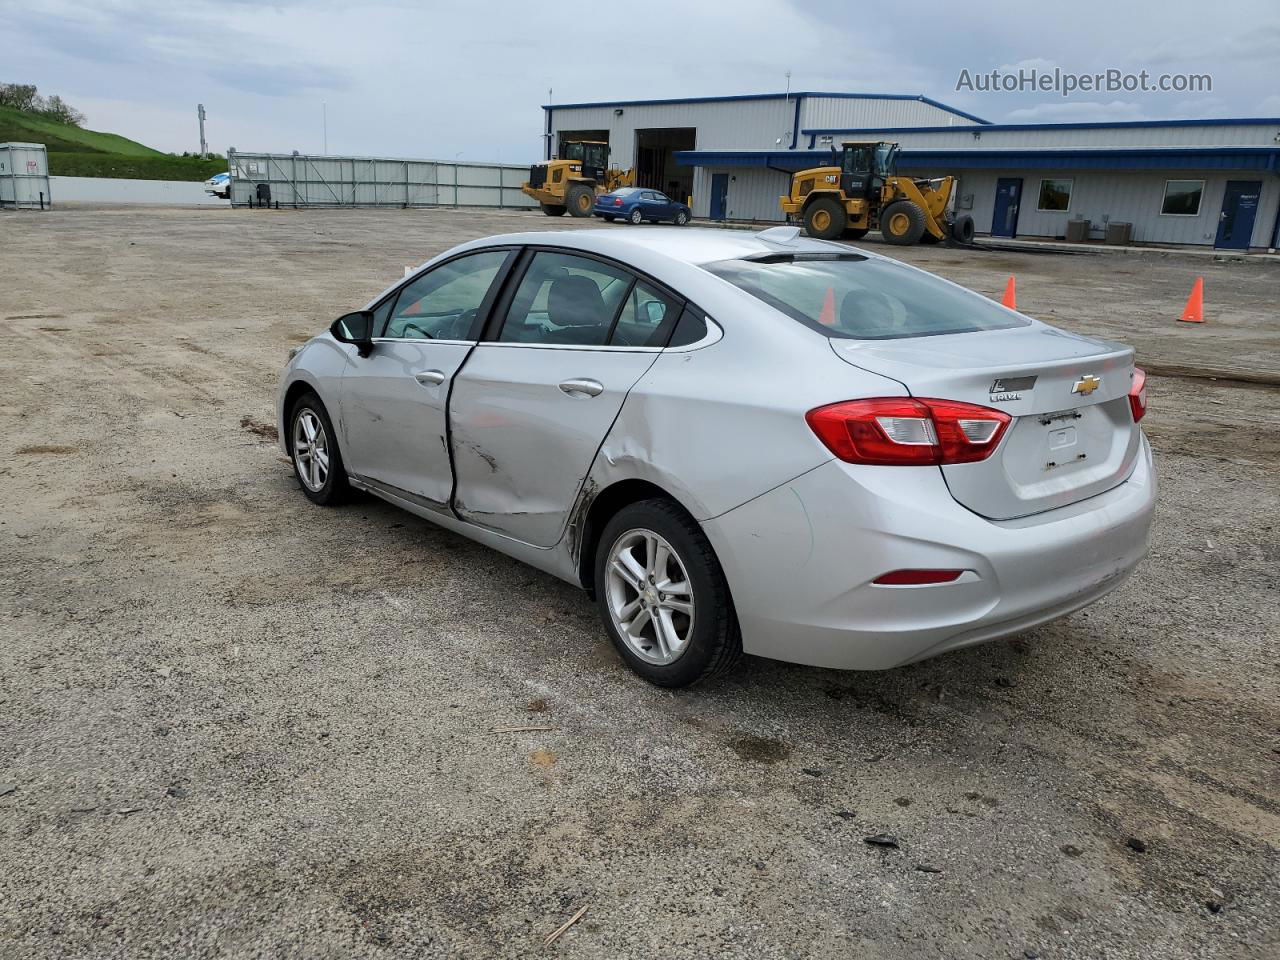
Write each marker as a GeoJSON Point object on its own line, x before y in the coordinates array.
{"type": "Point", "coordinates": [738, 442]}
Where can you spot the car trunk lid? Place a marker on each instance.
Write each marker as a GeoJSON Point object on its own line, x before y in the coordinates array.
{"type": "Point", "coordinates": [1072, 434]}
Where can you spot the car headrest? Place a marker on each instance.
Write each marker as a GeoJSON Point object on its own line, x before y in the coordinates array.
{"type": "Point", "coordinates": [575, 301]}
{"type": "Point", "coordinates": [866, 309]}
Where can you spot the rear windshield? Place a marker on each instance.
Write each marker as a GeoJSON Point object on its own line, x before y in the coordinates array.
{"type": "Point", "coordinates": [855, 297]}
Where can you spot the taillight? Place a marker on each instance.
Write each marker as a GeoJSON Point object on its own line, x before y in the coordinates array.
{"type": "Point", "coordinates": [901, 431]}
{"type": "Point", "coordinates": [1138, 394]}
{"type": "Point", "coordinates": [617, 201]}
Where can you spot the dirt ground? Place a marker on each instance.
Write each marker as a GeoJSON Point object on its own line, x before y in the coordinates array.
{"type": "Point", "coordinates": [233, 724]}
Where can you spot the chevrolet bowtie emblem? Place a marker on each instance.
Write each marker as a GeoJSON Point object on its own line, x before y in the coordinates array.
{"type": "Point", "coordinates": [1086, 385]}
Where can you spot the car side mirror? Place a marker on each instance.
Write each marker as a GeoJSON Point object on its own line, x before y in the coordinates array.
{"type": "Point", "coordinates": [355, 328]}
{"type": "Point", "coordinates": [656, 311]}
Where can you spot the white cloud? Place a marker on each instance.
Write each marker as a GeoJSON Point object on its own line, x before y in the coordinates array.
{"type": "Point", "coordinates": [1076, 110]}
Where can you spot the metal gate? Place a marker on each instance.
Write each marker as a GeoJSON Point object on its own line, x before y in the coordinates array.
{"type": "Point", "coordinates": [297, 180]}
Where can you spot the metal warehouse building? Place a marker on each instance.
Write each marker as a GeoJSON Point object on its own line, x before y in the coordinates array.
{"type": "Point", "coordinates": [1204, 182]}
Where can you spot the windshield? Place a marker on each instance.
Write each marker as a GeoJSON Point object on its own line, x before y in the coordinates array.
{"type": "Point", "coordinates": [855, 297]}
{"type": "Point", "coordinates": [573, 151]}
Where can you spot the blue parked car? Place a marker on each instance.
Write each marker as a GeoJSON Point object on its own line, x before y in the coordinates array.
{"type": "Point", "coordinates": [638, 204]}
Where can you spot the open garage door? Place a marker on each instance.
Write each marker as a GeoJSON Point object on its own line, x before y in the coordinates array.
{"type": "Point", "coordinates": [656, 166]}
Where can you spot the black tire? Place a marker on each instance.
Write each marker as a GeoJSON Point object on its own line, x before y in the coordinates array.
{"type": "Point", "coordinates": [609, 217]}
{"type": "Point", "coordinates": [962, 229]}
{"type": "Point", "coordinates": [825, 219]}
{"type": "Point", "coordinates": [335, 489]}
{"type": "Point", "coordinates": [636, 216]}
{"type": "Point", "coordinates": [902, 223]}
{"type": "Point", "coordinates": [715, 643]}
{"type": "Point", "coordinates": [580, 200]}
{"type": "Point", "coordinates": [552, 209]}
{"type": "Point", "coordinates": [681, 218]}
{"type": "Point", "coordinates": [856, 233]}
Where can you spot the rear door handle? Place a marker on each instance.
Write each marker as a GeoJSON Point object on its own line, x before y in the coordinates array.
{"type": "Point", "coordinates": [582, 388]}
{"type": "Point", "coordinates": [430, 378]}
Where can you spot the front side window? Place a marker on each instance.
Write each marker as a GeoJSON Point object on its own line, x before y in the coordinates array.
{"type": "Point", "coordinates": [563, 299]}
{"type": "Point", "coordinates": [856, 297]}
{"type": "Point", "coordinates": [444, 303]}
{"type": "Point", "coordinates": [1182, 198]}
{"type": "Point", "coordinates": [1055, 195]}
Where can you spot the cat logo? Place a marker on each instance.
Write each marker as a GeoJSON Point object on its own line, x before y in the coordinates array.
{"type": "Point", "coordinates": [1086, 385]}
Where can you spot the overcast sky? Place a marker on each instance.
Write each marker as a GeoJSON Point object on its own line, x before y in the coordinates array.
{"type": "Point", "coordinates": [424, 80]}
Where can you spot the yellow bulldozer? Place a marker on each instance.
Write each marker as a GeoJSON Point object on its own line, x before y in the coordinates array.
{"type": "Point", "coordinates": [861, 191]}
{"type": "Point", "coordinates": [572, 182]}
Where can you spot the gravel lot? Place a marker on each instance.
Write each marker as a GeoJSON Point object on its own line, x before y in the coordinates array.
{"type": "Point", "coordinates": [233, 724]}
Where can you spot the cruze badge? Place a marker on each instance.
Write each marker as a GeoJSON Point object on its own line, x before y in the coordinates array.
{"type": "Point", "coordinates": [1086, 385]}
{"type": "Point", "coordinates": [1007, 389]}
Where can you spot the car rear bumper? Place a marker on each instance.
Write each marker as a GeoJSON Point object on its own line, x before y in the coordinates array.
{"type": "Point", "coordinates": [801, 559]}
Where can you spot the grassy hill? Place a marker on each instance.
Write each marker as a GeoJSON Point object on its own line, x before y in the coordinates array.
{"type": "Point", "coordinates": [75, 152]}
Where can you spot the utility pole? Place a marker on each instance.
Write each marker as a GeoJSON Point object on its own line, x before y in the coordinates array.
{"type": "Point", "coordinates": [204, 146]}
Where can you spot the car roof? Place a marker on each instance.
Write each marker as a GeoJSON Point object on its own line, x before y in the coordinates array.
{"type": "Point", "coordinates": [694, 245]}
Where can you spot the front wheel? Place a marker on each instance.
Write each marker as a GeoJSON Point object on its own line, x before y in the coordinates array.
{"type": "Point", "coordinates": [825, 219]}
{"type": "Point", "coordinates": [902, 223]}
{"type": "Point", "coordinates": [663, 595]}
{"type": "Point", "coordinates": [681, 218]}
{"type": "Point", "coordinates": [313, 448]}
{"type": "Point", "coordinates": [636, 216]}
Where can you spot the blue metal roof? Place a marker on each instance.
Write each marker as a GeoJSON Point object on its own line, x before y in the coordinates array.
{"type": "Point", "coordinates": [816, 132]}
{"type": "Point", "coordinates": [793, 95]}
{"type": "Point", "coordinates": [1140, 158]}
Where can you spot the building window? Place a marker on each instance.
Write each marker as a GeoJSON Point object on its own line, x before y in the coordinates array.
{"type": "Point", "coordinates": [1055, 195]}
{"type": "Point", "coordinates": [1182, 198]}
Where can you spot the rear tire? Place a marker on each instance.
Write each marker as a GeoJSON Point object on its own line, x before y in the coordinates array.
{"type": "Point", "coordinates": [552, 209]}
{"type": "Point", "coordinates": [636, 216]}
{"type": "Point", "coordinates": [313, 450]}
{"type": "Point", "coordinates": [580, 200]}
{"type": "Point", "coordinates": [962, 229]}
{"type": "Point", "coordinates": [643, 547]}
{"type": "Point", "coordinates": [825, 219]}
{"type": "Point", "coordinates": [902, 223]}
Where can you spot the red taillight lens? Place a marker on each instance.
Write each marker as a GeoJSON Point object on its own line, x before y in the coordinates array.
{"type": "Point", "coordinates": [901, 431]}
{"type": "Point", "coordinates": [617, 201]}
{"type": "Point", "coordinates": [1138, 394]}
{"type": "Point", "coordinates": [914, 578]}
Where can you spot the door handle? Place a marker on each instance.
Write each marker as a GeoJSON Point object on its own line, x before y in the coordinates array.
{"type": "Point", "coordinates": [430, 378]}
{"type": "Point", "coordinates": [582, 388]}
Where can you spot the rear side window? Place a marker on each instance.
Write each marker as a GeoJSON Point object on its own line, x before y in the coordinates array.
{"type": "Point", "coordinates": [855, 297]}
{"type": "Point", "coordinates": [568, 300]}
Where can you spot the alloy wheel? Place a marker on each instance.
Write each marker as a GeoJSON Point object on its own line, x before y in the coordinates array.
{"type": "Point", "coordinates": [650, 596]}
{"type": "Point", "coordinates": [310, 450]}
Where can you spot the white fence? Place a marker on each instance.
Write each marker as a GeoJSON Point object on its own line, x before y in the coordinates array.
{"type": "Point", "coordinates": [119, 190]}
{"type": "Point", "coordinates": [309, 181]}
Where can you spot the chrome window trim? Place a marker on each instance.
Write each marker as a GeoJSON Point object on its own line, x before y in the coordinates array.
{"type": "Point", "coordinates": [420, 340]}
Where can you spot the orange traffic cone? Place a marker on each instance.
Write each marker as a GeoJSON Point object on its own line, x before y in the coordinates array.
{"type": "Point", "coordinates": [1193, 312]}
{"type": "Point", "coordinates": [1010, 298]}
{"type": "Point", "coordinates": [828, 315]}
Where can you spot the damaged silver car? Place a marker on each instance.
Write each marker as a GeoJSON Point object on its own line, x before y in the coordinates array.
{"type": "Point", "coordinates": [738, 442]}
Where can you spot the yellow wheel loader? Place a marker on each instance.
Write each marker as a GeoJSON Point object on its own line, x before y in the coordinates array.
{"type": "Point", "coordinates": [861, 191]}
{"type": "Point", "coordinates": [572, 182]}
